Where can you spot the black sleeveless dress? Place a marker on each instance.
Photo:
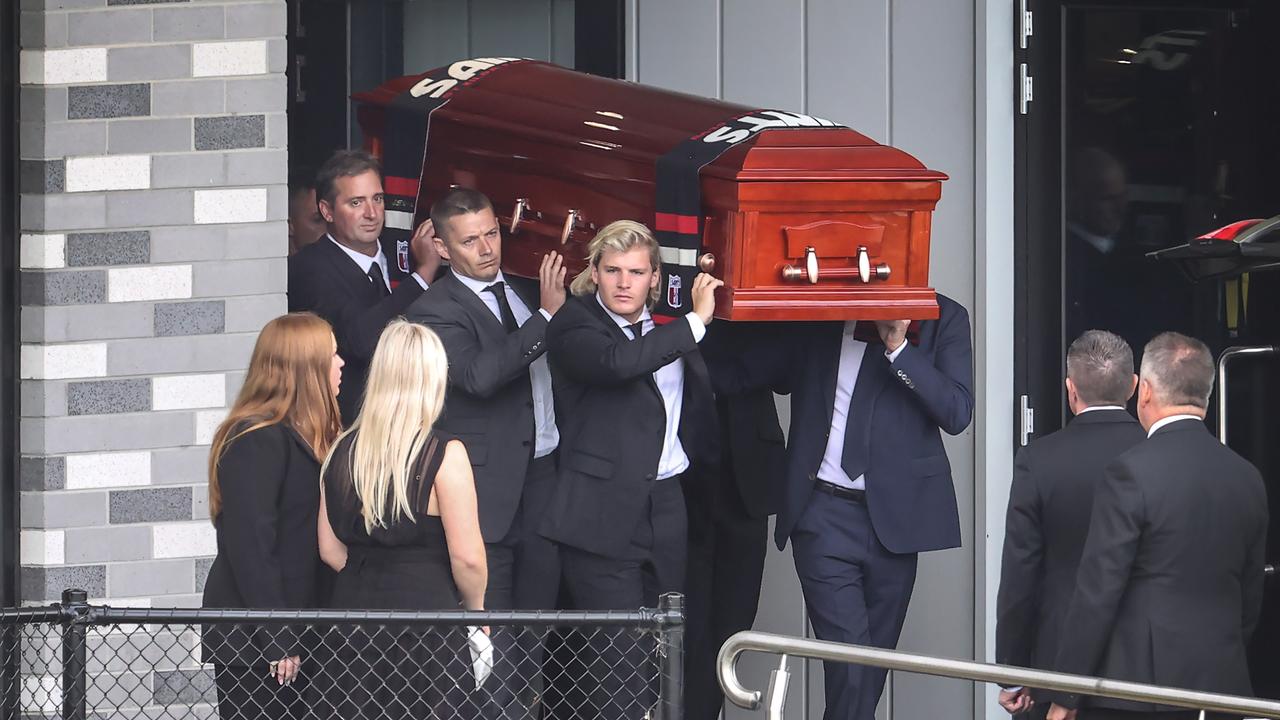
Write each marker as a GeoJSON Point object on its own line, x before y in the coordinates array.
{"type": "Point", "coordinates": [385, 671]}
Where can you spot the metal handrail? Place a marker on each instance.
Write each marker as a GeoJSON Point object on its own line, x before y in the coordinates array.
{"type": "Point", "coordinates": [1223, 360]}
{"type": "Point", "coordinates": [726, 669]}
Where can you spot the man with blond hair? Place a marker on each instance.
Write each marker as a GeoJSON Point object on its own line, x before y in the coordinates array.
{"type": "Point", "coordinates": [636, 416]}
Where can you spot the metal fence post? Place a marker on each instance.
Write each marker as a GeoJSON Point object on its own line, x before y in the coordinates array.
{"type": "Point", "coordinates": [10, 672]}
{"type": "Point", "coordinates": [671, 639]}
{"type": "Point", "coordinates": [75, 606]}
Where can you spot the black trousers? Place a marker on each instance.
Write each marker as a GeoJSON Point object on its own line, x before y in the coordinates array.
{"type": "Point", "coordinates": [618, 676]}
{"type": "Point", "coordinates": [246, 693]}
{"type": "Point", "coordinates": [727, 549]}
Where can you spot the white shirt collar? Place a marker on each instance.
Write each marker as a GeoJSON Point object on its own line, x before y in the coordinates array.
{"type": "Point", "coordinates": [364, 261]}
{"type": "Point", "coordinates": [477, 286]}
{"type": "Point", "coordinates": [1171, 419]}
{"type": "Point", "coordinates": [1091, 408]}
{"type": "Point", "coordinates": [623, 322]}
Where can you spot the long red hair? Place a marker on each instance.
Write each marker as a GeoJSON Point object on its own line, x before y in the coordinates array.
{"type": "Point", "coordinates": [287, 382]}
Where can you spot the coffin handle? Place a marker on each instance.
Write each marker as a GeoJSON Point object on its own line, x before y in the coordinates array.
{"type": "Point", "coordinates": [517, 214]}
{"type": "Point", "coordinates": [867, 271]}
{"type": "Point", "coordinates": [570, 222]}
{"type": "Point", "coordinates": [808, 272]}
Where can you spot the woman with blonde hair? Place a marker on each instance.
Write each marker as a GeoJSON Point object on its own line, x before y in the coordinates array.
{"type": "Point", "coordinates": [264, 494]}
{"type": "Point", "coordinates": [399, 523]}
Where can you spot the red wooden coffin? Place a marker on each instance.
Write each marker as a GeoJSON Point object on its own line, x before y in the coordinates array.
{"type": "Point", "coordinates": [802, 219]}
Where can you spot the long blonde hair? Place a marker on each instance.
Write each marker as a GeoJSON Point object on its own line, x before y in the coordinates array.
{"type": "Point", "coordinates": [287, 382]}
{"type": "Point", "coordinates": [402, 401]}
{"type": "Point", "coordinates": [617, 236]}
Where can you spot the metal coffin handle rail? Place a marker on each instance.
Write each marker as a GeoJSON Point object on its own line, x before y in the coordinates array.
{"type": "Point", "coordinates": [865, 271]}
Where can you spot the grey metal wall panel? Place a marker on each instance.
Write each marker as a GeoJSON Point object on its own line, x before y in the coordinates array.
{"type": "Point", "coordinates": [511, 28]}
{"type": "Point", "coordinates": [847, 64]}
{"type": "Point", "coordinates": [678, 45]}
{"type": "Point", "coordinates": [901, 72]}
{"type": "Point", "coordinates": [435, 33]}
{"type": "Point", "coordinates": [932, 117]}
{"type": "Point", "coordinates": [562, 29]}
{"type": "Point", "coordinates": [762, 54]}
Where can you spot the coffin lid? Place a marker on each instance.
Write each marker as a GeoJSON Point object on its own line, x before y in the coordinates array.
{"type": "Point", "coordinates": [616, 116]}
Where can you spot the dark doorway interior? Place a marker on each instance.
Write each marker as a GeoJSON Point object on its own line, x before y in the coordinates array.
{"type": "Point", "coordinates": [1151, 123]}
{"type": "Point", "coordinates": [9, 235]}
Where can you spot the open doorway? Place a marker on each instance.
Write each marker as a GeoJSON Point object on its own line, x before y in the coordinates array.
{"type": "Point", "coordinates": [1150, 124]}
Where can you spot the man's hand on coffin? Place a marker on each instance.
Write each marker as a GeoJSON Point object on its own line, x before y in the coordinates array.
{"type": "Point", "coordinates": [892, 333]}
{"type": "Point", "coordinates": [704, 297]}
{"type": "Point", "coordinates": [551, 281]}
{"type": "Point", "coordinates": [422, 246]}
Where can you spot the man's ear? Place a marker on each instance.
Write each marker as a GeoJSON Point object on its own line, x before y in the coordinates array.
{"type": "Point", "coordinates": [1144, 392]}
{"type": "Point", "coordinates": [1133, 388]}
{"type": "Point", "coordinates": [441, 247]}
{"type": "Point", "coordinates": [326, 210]}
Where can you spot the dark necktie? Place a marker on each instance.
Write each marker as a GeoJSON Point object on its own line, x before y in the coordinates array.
{"type": "Point", "coordinates": [637, 329]}
{"type": "Point", "coordinates": [375, 277]}
{"type": "Point", "coordinates": [504, 308]}
{"type": "Point", "coordinates": [857, 423]}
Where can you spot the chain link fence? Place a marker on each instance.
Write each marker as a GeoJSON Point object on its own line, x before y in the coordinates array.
{"type": "Point", "coordinates": [75, 661]}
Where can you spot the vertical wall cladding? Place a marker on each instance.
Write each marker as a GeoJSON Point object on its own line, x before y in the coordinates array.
{"type": "Point", "coordinates": [902, 73]}
{"type": "Point", "coordinates": [153, 206]}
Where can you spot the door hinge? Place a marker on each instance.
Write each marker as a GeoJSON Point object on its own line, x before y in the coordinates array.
{"type": "Point", "coordinates": [1026, 420]}
{"type": "Point", "coordinates": [1025, 94]}
{"type": "Point", "coordinates": [1025, 27]}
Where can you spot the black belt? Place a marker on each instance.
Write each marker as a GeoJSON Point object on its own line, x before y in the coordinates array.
{"type": "Point", "coordinates": [841, 491]}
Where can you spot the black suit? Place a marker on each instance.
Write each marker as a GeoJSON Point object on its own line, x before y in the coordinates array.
{"type": "Point", "coordinates": [622, 531]}
{"type": "Point", "coordinates": [729, 513]}
{"type": "Point", "coordinates": [489, 407]}
{"type": "Point", "coordinates": [326, 281]}
{"type": "Point", "coordinates": [268, 557]}
{"type": "Point", "coordinates": [1045, 529]}
{"type": "Point", "coordinates": [1170, 581]}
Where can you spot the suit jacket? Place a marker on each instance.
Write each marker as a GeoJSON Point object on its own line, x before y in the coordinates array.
{"type": "Point", "coordinates": [1170, 581]}
{"type": "Point", "coordinates": [927, 389]}
{"type": "Point", "coordinates": [268, 555]}
{"type": "Point", "coordinates": [753, 454]}
{"type": "Point", "coordinates": [1045, 529]}
{"type": "Point", "coordinates": [490, 402]}
{"type": "Point", "coordinates": [326, 281]}
{"type": "Point", "coordinates": [612, 421]}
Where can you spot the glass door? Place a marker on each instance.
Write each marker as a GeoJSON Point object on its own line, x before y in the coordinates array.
{"type": "Point", "coordinates": [1149, 124]}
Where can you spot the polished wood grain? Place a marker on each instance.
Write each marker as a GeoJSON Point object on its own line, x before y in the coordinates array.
{"type": "Point", "coordinates": [565, 141]}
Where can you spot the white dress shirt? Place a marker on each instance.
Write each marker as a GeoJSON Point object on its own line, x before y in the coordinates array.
{"type": "Point", "coordinates": [366, 261]}
{"type": "Point", "coordinates": [670, 381]}
{"type": "Point", "coordinates": [851, 352]}
{"type": "Point", "coordinates": [1171, 419]}
{"type": "Point", "coordinates": [547, 436]}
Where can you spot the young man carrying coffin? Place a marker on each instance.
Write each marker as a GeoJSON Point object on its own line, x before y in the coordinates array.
{"type": "Point", "coordinates": [637, 416]}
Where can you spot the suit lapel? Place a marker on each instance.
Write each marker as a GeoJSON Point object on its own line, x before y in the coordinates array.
{"type": "Point", "coordinates": [480, 313]}
{"type": "Point", "coordinates": [598, 310]}
{"type": "Point", "coordinates": [346, 269]}
{"type": "Point", "coordinates": [526, 290]}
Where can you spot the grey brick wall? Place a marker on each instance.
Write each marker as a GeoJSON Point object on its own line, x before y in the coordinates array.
{"type": "Point", "coordinates": [153, 163]}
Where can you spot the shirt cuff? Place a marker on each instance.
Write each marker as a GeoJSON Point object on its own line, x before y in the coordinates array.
{"type": "Point", "coordinates": [546, 315]}
{"type": "Point", "coordinates": [696, 325]}
{"type": "Point", "coordinates": [894, 355]}
{"type": "Point", "coordinates": [421, 282]}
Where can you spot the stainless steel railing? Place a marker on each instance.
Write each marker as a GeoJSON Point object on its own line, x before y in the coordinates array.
{"type": "Point", "coordinates": [787, 647]}
{"type": "Point", "coordinates": [1225, 359]}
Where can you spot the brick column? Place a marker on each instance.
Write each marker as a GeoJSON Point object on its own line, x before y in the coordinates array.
{"type": "Point", "coordinates": [153, 171]}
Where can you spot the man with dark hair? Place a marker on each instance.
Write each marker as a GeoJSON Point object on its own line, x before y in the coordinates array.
{"type": "Point", "coordinates": [1170, 581]}
{"type": "Point", "coordinates": [493, 327]}
{"type": "Point", "coordinates": [346, 277]}
{"type": "Point", "coordinates": [306, 225]}
{"type": "Point", "coordinates": [1050, 501]}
